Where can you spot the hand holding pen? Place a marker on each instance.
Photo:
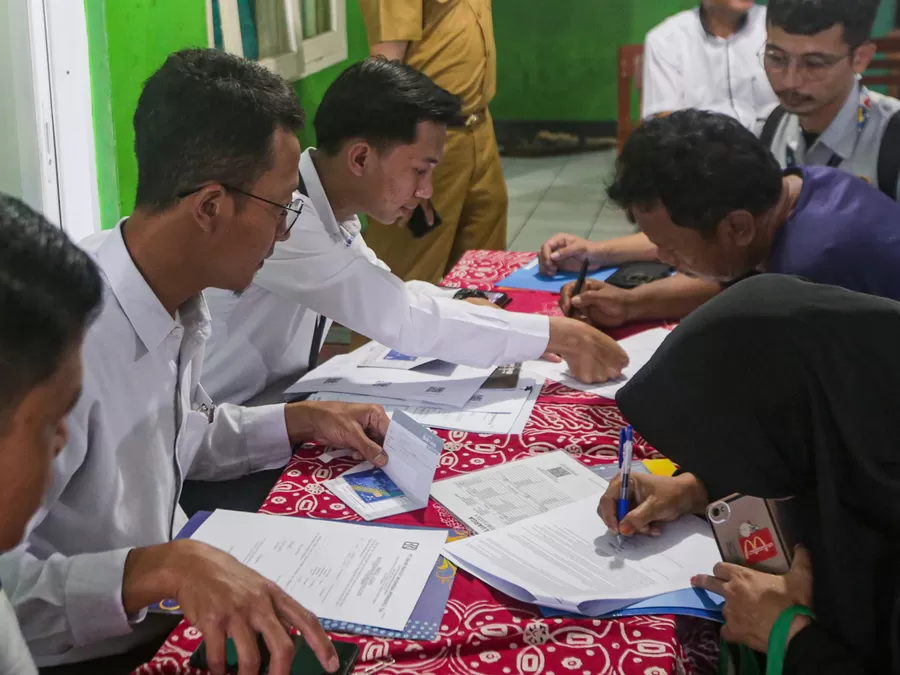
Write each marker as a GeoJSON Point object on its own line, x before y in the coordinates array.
{"type": "Point", "coordinates": [626, 452]}
{"type": "Point", "coordinates": [579, 285]}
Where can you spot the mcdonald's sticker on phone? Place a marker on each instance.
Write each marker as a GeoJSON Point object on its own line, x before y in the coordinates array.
{"type": "Point", "coordinates": [758, 547]}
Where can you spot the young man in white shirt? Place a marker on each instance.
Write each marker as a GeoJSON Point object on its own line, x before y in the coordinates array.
{"type": "Point", "coordinates": [49, 292]}
{"type": "Point", "coordinates": [708, 58]}
{"type": "Point", "coordinates": [217, 161]}
{"type": "Point", "coordinates": [381, 128]}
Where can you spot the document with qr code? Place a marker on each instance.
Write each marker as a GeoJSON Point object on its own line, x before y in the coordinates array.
{"type": "Point", "coordinates": [343, 572]}
{"type": "Point", "coordinates": [502, 495]}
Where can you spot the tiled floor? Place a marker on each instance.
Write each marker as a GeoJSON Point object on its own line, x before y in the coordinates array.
{"type": "Point", "coordinates": [560, 194]}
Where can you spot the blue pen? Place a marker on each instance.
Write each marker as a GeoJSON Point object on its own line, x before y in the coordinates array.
{"type": "Point", "coordinates": [625, 466]}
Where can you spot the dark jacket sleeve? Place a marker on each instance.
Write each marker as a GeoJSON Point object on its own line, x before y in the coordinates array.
{"type": "Point", "coordinates": [813, 651]}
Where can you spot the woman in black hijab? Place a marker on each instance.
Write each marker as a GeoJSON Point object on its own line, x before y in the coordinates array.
{"type": "Point", "coordinates": [781, 388]}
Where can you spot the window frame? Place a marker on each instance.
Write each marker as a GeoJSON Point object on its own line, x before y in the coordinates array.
{"type": "Point", "coordinates": [306, 56]}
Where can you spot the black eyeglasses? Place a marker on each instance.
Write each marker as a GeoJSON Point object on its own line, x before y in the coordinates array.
{"type": "Point", "coordinates": [290, 212]}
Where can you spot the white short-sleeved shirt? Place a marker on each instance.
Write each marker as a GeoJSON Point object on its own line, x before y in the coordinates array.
{"type": "Point", "coordinates": [848, 143]}
{"type": "Point", "coordinates": [687, 67]}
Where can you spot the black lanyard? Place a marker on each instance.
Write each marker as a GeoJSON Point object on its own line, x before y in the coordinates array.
{"type": "Point", "coordinates": [318, 332]}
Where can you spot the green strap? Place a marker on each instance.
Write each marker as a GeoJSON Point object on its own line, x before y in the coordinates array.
{"type": "Point", "coordinates": [779, 636]}
{"type": "Point", "coordinates": [747, 661]}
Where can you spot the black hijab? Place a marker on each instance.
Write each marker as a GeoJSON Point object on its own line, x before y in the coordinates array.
{"type": "Point", "coordinates": [777, 388]}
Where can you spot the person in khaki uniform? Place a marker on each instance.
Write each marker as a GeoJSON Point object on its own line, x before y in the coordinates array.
{"type": "Point", "coordinates": [451, 41]}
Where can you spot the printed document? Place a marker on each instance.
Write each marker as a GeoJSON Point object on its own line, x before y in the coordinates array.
{"type": "Point", "coordinates": [489, 411]}
{"type": "Point", "coordinates": [437, 383]}
{"type": "Point", "coordinates": [404, 483]}
{"type": "Point", "coordinates": [640, 348]}
{"type": "Point", "coordinates": [502, 495]}
{"type": "Point", "coordinates": [340, 571]}
{"type": "Point", "coordinates": [567, 559]}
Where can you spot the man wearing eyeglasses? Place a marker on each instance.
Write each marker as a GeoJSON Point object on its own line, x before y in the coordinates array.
{"type": "Point", "coordinates": [826, 117]}
{"type": "Point", "coordinates": [706, 58]}
{"type": "Point", "coordinates": [217, 155]}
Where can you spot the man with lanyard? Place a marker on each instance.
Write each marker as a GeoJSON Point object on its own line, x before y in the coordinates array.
{"type": "Point", "coordinates": [380, 128]}
{"type": "Point", "coordinates": [708, 58]}
{"type": "Point", "coordinates": [826, 116]}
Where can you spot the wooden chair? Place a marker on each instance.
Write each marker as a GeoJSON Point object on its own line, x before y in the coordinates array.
{"type": "Point", "coordinates": [631, 66]}
{"type": "Point", "coordinates": [887, 61]}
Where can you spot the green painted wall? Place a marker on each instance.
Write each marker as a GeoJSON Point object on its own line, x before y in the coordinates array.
{"type": "Point", "coordinates": [129, 40]}
{"type": "Point", "coordinates": [557, 61]}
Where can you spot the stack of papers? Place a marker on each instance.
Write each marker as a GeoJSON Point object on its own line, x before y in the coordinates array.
{"type": "Point", "coordinates": [354, 576]}
{"type": "Point", "coordinates": [566, 559]}
{"type": "Point", "coordinates": [640, 349]}
{"type": "Point", "coordinates": [434, 382]}
{"type": "Point", "coordinates": [488, 411]}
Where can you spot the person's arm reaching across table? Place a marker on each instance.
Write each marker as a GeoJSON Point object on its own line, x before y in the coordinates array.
{"type": "Point", "coordinates": [566, 252]}
{"type": "Point", "coordinates": [606, 306]}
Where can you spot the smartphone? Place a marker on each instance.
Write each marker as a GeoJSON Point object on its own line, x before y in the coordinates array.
{"type": "Point", "coordinates": [754, 532]}
{"type": "Point", "coordinates": [496, 297]}
{"type": "Point", "coordinates": [304, 663]}
{"type": "Point", "coordinates": [418, 223]}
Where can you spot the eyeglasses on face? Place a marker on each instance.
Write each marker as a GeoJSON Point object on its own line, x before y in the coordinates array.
{"type": "Point", "coordinates": [288, 216]}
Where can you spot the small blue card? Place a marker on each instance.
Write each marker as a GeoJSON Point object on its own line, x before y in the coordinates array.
{"type": "Point", "coordinates": [373, 485]}
{"type": "Point", "coordinates": [394, 355]}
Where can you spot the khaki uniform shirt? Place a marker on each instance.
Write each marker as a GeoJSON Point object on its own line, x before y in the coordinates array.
{"type": "Point", "coordinates": [451, 41]}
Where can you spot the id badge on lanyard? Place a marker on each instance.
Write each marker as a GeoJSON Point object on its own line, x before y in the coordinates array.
{"type": "Point", "coordinates": [862, 119]}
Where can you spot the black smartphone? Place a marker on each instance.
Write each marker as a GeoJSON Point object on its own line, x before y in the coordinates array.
{"type": "Point", "coordinates": [498, 298]}
{"type": "Point", "coordinates": [304, 663]}
{"type": "Point", "coordinates": [418, 224]}
{"type": "Point", "coordinates": [633, 274]}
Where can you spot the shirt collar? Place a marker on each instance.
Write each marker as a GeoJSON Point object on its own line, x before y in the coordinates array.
{"type": "Point", "coordinates": [320, 199]}
{"type": "Point", "coordinates": [150, 320]}
{"type": "Point", "coordinates": [842, 133]}
{"type": "Point", "coordinates": [742, 23]}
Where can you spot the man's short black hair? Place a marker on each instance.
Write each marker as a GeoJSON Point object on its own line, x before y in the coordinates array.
{"type": "Point", "coordinates": [381, 102]}
{"type": "Point", "coordinates": [207, 116]}
{"type": "Point", "coordinates": [700, 166]}
{"type": "Point", "coordinates": [809, 17]}
{"type": "Point", "coordinates": [49, 292]}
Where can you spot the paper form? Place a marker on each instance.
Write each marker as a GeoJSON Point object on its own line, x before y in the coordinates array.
{"type": "Point", "coordinates": [566, 559]}
{"type": "Point", "coordinates": [434, 383]}
{"type": "Point", "coordinates": [340, 571]}
{"type": "Point", "coordinates": [502, 495]}
{"type": "Point", "coordinates": [392, 359]}
{"type": "Point", "coordinates": [413, 452]}
{"type": "Point", "coordinates": [489, 411]}
{"type": "Point", "coordinates": [640, 348]}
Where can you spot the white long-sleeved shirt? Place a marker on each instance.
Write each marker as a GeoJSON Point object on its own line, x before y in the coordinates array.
{"type": "Point", "coordinates": [14, 655]}
{"type": "Point", "coordinates": [143, 424]}
{"type": "Point", "coordinates": [326, 268]}
{"type": "Point", "coordinates": [685, 66]}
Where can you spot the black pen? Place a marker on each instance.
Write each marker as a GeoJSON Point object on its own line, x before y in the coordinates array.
{"type": "Point", "coordinates": [582, 275]}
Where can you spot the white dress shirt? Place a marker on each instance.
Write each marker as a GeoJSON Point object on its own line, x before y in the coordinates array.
{"type": "Point", "coordinates": [15, 658]}
{"type": "Point", "coordinates": [325, 267]}
{"type": "Point", "coordinates": [143, 424]}
{"type": "Point", "coordinates": [687, 67]}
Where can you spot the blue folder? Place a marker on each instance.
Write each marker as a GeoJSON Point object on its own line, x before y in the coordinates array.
{"type": "Point", "coordinates": [686, 602]}
{"type": "Point", "coordinates": [529, 278]}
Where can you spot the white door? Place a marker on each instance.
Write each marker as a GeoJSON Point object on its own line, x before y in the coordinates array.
{"type": "Point", "coordinates": [47, 152]}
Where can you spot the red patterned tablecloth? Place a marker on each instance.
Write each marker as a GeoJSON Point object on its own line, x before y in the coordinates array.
{"type": "Point", "coordinates": [485, 632]}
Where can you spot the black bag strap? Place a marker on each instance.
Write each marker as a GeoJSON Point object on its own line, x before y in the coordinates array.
{"type": "Point", "coordinates": [889, 157]}
{"type": "Point", "coordinates": [771, 126]}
